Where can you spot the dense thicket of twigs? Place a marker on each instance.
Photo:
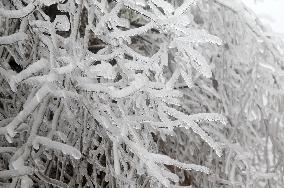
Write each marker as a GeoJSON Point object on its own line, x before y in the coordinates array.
{"type": "Point", "coordinates": [139, 93]}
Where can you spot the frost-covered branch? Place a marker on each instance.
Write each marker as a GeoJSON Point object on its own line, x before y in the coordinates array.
{"type": "Point", "coordinates": [16, 172]}
{"type": "Point", "coordinates": [16, 37]}
{"type": "Point", "coordinates": [18, 13]}
{"type": "Point", "coordinates": [66, 149]}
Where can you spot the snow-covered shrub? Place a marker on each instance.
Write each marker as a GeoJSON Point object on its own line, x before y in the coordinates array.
{"type": "Point", "coordinates": [132, 93]}
{"type": "Point", "coordinates": [246, 86]}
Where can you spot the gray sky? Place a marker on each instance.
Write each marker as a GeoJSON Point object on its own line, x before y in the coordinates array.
{"type": "Point", "coordinates": [270, 11]}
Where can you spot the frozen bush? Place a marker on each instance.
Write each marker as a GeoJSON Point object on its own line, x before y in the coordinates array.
{"type": "Point", "coordinates": [138, 93]}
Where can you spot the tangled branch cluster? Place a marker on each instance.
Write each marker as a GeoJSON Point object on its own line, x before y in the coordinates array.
{"type": "Point", "coordinates": [136, 93]}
